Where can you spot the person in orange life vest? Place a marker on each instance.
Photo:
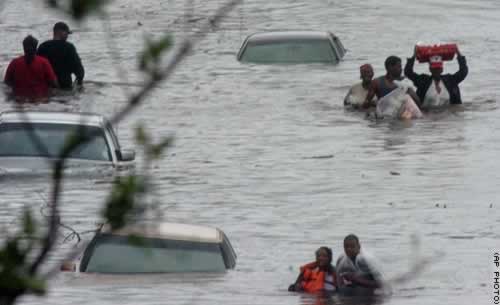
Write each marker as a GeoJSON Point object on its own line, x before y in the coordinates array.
{"type": "Point", "coordinates": [437, 89]}
{"type": "Point", "coordinates": [30, 76]}
{"type": "Point", "coordinates": [318, 276]}
{"type": "Point", "coordinates": [354, 269]}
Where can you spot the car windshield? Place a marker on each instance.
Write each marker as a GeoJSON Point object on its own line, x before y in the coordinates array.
{"type": "Point", "coordinates": [120, 254]}
{"type": "Point", "coordinates": [17, 141]}
{"type": "Point", "coordinates": [290, 51]}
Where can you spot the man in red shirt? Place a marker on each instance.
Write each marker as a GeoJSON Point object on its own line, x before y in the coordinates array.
{"type": "Point", "coordinates": [30, 76]}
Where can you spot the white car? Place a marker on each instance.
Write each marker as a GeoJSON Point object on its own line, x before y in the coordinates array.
{"type": "Point", "coordinates": [21, 151]}
{"type": "Point", "coordinates": [291, 47]}
{"type": "Point", "coordinates": [156, 248]}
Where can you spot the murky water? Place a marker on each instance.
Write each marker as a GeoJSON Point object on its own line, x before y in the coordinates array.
{"type": "Point", "coordinates": [269, 155]}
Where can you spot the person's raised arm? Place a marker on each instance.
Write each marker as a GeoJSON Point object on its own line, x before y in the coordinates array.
{"type": "Point", "coordinates": [463, 70]}
{"type": "Point", "coordinates": [410, 62]}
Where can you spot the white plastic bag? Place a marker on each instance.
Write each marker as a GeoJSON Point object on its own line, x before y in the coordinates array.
{"type": "Point", "coordinates": [398, 105]}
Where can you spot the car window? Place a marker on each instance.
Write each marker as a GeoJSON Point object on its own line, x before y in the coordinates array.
{"type": "Point", "coordinates": [17, 141]}
{"type": "Point", "coordinates": [290, 51]}
{"type": "Point", "coordinates": [120, 254]}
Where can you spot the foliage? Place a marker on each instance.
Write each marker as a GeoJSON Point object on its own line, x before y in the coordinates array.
{"type": "Point", "coordinates": [15, 277]}
{"type": "Point", "coordinates": [126, 196]}
{"type": "Point", "coordinates": [150, 57]}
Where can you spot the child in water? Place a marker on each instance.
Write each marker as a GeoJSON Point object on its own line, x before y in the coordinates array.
{"type": "Point", "coordinates": [318, 276]}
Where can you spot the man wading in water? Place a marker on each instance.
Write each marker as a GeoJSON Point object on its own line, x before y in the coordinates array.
{"type": "Point", "coordinates": [402, 104]}
{"type": "Point", "coordinates": [383, 85]}
{"type": "Point", "coordinates": [357, 94]}
{"type": "Point", "coordinates": [437, 89]}
{"type": "Point", "coordinates": [63, 57]}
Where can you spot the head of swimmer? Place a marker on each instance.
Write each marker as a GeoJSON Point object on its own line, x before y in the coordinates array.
{"type": "Point", "coordinates": [324, 257]}
{"type": "Point", "coordinates": [351, 246]}
{"type": "Point", "coordinates": [366, 74]}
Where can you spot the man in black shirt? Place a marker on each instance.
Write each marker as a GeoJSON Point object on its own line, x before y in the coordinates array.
{"type": "Point", "coordinates": [63, 57]}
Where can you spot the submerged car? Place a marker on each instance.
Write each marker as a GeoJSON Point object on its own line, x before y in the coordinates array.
{"type": "Point", "coordinates": [33, 140]}
{"type": "Point", "coordinates": [157, 248]}
{"type": "Point", "coordinates": [292, 47]}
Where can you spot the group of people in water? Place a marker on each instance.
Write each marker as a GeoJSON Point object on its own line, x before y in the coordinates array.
{"type": "Point", "coordinates": [353, 273]}
{"type": "Point", "coordinates": [432, 90]}
{"type": "Point", "coordinates": [53, 63]}
{"type": "Point", "coordinates": [50, 65]}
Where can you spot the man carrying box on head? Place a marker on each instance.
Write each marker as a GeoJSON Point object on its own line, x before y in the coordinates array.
{"type": "Point", "coordinates": [437, 89]}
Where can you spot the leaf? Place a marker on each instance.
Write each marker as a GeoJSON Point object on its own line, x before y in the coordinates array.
{"type": "Point", "coordinates": [141, 242]}
{"type": "Point", "coordinates": [35, 285]}
{"type": "Point", "coordinates": [122, 200]}
{"type": "Point", "coordinates": [158, 149]}
{"type": "Point", "coordinates": [16, 282]}
{"type": "Point", "coordinates": [141, 137]}
{"type": "Point", "coordinates": [12, 255]}
{"type": "Point", "coordinates": [151, 56]}
{"type": "Point", "coordinates": [136, 240]}
{"type": "Point", "coordinates": [28, 223]}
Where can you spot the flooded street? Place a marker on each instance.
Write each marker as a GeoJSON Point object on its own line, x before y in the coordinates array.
{"type": "Point", "coordinates": [269, 155]}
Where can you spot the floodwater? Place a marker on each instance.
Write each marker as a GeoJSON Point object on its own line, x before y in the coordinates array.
{"type": "Point", "coordinates": [268, 154]}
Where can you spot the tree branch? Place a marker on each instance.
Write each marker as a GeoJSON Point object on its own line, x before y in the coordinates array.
{"type": "Point", "coordinates": [180, 54]}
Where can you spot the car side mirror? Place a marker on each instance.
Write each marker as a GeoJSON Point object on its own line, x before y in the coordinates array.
{"type": "Point", "coordinates": [126, 154]}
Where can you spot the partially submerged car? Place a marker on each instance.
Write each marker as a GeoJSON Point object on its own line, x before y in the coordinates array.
{"type": "Point", "coordinates": [292, 47]}
{"type": "Point", "coordinates": [157, 248]}
{"type": "Point", "coordinates": [33, 140]}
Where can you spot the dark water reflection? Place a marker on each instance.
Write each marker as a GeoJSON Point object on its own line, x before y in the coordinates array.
{"type": "Point", "coordinates": [269, 155]}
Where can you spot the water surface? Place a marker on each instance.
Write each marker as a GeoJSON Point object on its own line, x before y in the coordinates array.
{"type": "Point", "coordinates": [268, 154]}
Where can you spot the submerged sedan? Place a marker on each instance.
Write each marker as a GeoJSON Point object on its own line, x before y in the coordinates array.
{"type": "Point", "coordinates": [32, 140]}
{"type": "Point", "coordinates": [156, 248]}
{"type": "Point", "coordinates": [291, 47]}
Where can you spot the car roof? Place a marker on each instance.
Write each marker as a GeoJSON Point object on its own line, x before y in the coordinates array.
{"type": "Point", "coordinates": [170, 230]}
{"type": "Point", "coordinates": [285, 35]}
{"type": "Point", "coordinates": [79, 118]}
